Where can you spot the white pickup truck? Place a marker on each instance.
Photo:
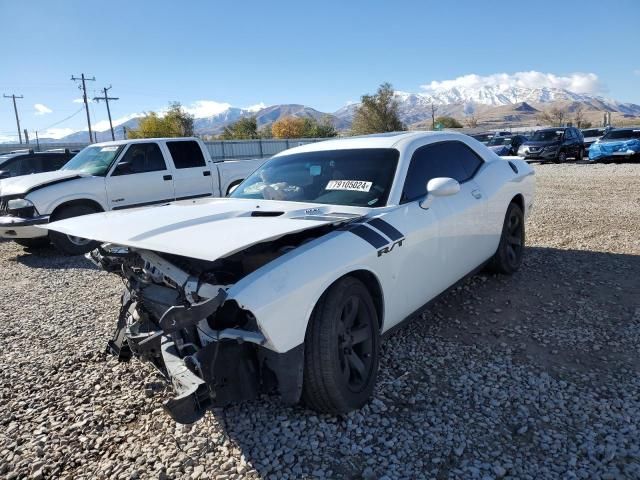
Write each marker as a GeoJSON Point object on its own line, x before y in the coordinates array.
{"type": "Point", "coordinates": [113, 176]}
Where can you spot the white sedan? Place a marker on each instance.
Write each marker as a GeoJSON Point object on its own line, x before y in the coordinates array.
{"type": "Point", "coordinates": [288, 285]}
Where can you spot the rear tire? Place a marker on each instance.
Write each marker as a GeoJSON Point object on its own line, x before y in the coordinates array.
{"type": "Point", "coordinates": [580, 155]}
{"type": "Point", "coordinates": [38, 242]}
{"type": "Point", "coordinates": [508, 257]}
{"type": "Point", "coordinates": [341, 349]}
{"type": "Point", "coordinates": [68, 244]}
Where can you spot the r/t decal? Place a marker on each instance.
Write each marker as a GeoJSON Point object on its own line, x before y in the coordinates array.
{"type": "Point", "coordinates": [388, 248]}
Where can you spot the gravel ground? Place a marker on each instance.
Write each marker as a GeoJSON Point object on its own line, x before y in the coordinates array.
{"type": "Point", "coordinates": [532, 376]}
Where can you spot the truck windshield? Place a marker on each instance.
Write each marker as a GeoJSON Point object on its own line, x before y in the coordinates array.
{"type": "Point", "coordinates": [94, 160]}
{"type": "Point", "coordinates": [358, 177]}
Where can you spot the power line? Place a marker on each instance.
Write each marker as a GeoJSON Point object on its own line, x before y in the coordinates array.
{"type": "Point", "coordinates": [15, 109]}
{"type": "Point", "coordinates": [83, 79]}
{"type": "Point", "coordinates": [106, 99]}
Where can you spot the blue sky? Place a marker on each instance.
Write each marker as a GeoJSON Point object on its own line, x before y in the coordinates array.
{"type": "Point", "coordinates": [321, 54]}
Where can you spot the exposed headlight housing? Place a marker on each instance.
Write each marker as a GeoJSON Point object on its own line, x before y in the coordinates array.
{"type": "Point", "coordinates": [21, 207]}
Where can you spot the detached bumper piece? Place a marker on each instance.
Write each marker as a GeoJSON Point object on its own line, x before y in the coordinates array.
{"type": "Point", "coordinates": [231, 367]}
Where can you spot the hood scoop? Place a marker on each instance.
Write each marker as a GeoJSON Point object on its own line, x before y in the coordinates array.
{"type": "Point", "coordinates": [265, 213]}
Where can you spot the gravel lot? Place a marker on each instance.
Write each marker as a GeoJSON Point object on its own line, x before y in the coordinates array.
{"type": "Point", "coordinates": [533, 376]}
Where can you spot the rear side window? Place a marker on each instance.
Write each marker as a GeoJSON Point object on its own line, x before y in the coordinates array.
{"type": "Point", "coordinates": [445, 159]}
{"type": "Point", "coordinates": [141, 158]}
{"type": "Point", "coordinates": [186, 154]}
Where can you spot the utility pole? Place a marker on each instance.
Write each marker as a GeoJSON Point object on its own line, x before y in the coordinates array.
{"type": "Point", "coordinates": [83, 79]}
{"type": "Point", "coordinates": [37, 141]}
{"type": "Point", "coordinates": [106, 99]}
{"type": "Point", "coordinates": [15, 109]}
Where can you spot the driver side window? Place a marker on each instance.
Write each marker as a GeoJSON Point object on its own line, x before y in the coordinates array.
{"type": "Point", "coordinates": [451, 159]}
{"type": "Point", "coordinates": [141, 158]}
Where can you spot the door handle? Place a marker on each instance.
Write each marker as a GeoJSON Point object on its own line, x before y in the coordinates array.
{"type": "Point", "coordinates": [207, 173]}
{"type": "Point", "coordinates": [476, 194]}
{"type": "Point", "coordinates": [167, 178]}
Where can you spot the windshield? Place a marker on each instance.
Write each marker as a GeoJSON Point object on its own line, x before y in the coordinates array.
{"type": "Point", "coordinates": [495, 141]}
{"type": "Point", "coordinates": [595, 132]}
{"type": "Point", "coordinates": [358, 178]}
{"type": "Point", "coordinates": [626, 134]}
{"type": "Point", "coordinates": [94, 160]}
{"type": "Point", "coordinates": [547, 136]}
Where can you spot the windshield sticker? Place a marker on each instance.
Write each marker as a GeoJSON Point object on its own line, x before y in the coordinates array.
{"type": "Point", "coordinates": [108, 149]}
{"type": "Point", "coordinates": [351, 185]}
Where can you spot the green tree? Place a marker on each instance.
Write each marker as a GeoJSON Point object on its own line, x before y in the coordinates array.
{"type": "Point", "coordinates": [320, 129]}
{"type": "Point", "coordinates": [175, 122]}
{"type": "Point", "coordinates": [377, 113]}
{"type": "Point", "coordinates": [245, 128]}
{"type": "Point", "coordinates": [448, 122]}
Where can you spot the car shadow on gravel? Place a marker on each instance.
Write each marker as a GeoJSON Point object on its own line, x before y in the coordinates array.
{"type": "Point", "coordinates": [568, 317]}
{"type": "Point", "coordinates": [48, 258]}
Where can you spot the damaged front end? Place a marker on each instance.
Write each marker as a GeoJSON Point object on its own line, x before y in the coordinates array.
{"type": "Point", "coordinates": [176, 314]}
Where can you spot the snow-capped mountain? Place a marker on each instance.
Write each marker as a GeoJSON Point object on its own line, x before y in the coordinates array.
{"type": "Point", "coordinates": [494, 104]}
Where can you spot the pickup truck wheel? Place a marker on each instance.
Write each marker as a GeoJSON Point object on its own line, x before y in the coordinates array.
{"type": "Point", "coordinates": [39, 242]}
{"type": "Point", "coordinates": [508, 257]}
{"type": "Point", "coordinates": [341, 349]}
{"type": "Point", "coordinates": [69, 244]}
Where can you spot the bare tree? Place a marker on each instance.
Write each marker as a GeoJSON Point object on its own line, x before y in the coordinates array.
{"type": "Point", "coordinates": [578, 116]}
{"type": "Point", "coordinates": [556, 116]}
{"type": "Point", "coordinates": [472, 120]}
{"type": "Point", "coordinates": [434, 109]}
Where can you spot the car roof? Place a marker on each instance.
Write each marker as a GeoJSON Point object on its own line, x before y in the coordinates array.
{"type": "Point", "coordinates": [377, 140]}
{"type": "Point", "coordinates": [141, 140]}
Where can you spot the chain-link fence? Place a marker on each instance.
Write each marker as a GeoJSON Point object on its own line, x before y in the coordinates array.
{"type": "Point", "coordinates": [219, 149]}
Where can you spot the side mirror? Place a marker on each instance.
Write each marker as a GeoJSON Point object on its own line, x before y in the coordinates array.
{"type": "Point", "coordinates": [439, 187]}
{"type": "Point", "coordinates": [123, 168]}
{"type": "Point", "coordinates": [4, 174]}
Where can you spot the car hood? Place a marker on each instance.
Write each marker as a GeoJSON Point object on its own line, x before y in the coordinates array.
{"type": "Point", "coordinates": [26, 183]}
{"type": "Point", "coordinates": [205, 229]}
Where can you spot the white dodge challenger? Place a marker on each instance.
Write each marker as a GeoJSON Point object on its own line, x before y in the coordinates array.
{"type": "Point", "coordinates": [288, 285]}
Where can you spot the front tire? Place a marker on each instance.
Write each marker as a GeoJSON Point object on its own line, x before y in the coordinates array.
{"type": "Point", "coordinates": [341, 349]}
{"type": "Point", "coordinates": [562, 157]}
{"type": "Point", "coordinates": [508, 257]}
{"type": "Point", "coordinates": [69, 244]}
{"type": "Point", "coordinates": [38, 242]}
{"type": "Point", "coordinates": [580, 155]}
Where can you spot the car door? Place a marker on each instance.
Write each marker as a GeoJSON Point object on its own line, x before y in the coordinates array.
{"type": "Point", "coordinates": [192, 175]}
{"type": "Point", "coordinates": [570, 142]}
{"type": "Point", "coordinates": [140, 177]}
{"type": "Point", "coordinates": [439, 247]}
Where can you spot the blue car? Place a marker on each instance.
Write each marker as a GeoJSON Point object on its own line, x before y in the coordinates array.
{"type": "Point", "coordinates": [618, 145]}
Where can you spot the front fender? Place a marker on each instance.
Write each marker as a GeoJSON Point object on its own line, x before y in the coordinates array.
{"type": "Point", "coordinates": [47, 199]}
{"type": "Point", "coordinates": [283, 293]}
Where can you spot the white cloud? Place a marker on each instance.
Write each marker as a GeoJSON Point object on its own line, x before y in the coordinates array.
{"type": "Point", "coordinates": [55, 133]}
{"type": "Point", "coordinates": [206, 108]}
{"type": "Point", "coordinates": [256, 108]}
{"type": "Point", "coordinates": [103, 125]}
{"type": "Point", "coordinates": [575, 82]}
{"type": "Point", "coordinates": [42, 109]}
{"type": "Point", "coordinates": [77, 100]}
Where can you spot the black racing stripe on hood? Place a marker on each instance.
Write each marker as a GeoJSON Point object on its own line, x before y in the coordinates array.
{"type": "Point", "coordinates": [52, 182]}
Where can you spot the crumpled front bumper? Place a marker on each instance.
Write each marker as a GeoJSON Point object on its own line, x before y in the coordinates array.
{"type": "Point", "coordinates": [232, 368]}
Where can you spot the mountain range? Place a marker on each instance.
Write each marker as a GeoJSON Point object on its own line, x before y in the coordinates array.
{"type": "Point", "coordinates": [490, 105]}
